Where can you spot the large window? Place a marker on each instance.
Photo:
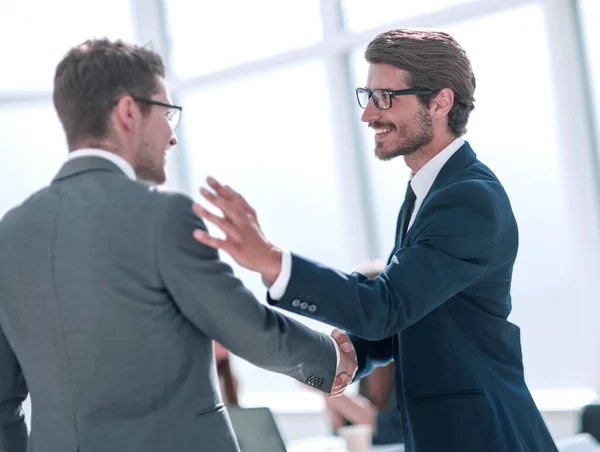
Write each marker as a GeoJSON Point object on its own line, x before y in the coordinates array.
{"type": "Point", "coordinates": [256, 80]}
{"type": "Point", "coordinates": [36, 34]}
{"type": "Point", "coordinates": [514, 131]}
{"type": "Point", "coordinates": [360, 15]}
{"type": "Point", "coordinates": [270, 133]}
{"type": "Point", "coordinates": [231, 32]}
{"type": "Point", "coordinates": [590, 15]}
{"type": "Point", "coordinates": [269, 137]}
{"type": "Point", "coordinates": [33, 148]}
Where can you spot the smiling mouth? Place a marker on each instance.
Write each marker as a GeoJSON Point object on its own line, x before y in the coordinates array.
{"type": "Point", "coordinates": [382, 132]}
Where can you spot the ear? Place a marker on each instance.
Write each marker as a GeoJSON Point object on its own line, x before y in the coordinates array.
{"type": "Point", "coordinates": [126, 113]}
{"type": "Point", "coordinates": [441, 103]}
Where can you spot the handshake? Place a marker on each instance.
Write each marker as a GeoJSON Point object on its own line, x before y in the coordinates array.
{"type": "Point", "coordinates": [348, 364]}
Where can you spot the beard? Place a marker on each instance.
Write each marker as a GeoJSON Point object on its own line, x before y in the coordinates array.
{"type": "Point", "coordinates": [150, 166]}
{"type": "Point", "coordinates": [408, 142]}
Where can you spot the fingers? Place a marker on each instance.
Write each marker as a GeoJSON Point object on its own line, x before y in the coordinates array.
{"type": "Point", "coordinates": [231, 211]}
{"type": "Point", "coordinates": [340, 383]}
{"type": "Point", "coordinates": [222, 190]}
{"type": "Point", "coordinates": [227, 227]}
{"type": "Point", "coordinates": [205, 238]}
{"type": "Point", "coordinates": [230, 194]}
{"type": "Point", "coordinates": [342, 340]}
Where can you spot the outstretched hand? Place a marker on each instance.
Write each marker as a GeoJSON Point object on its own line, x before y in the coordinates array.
{"type": "Point", "coordinates": [248, 246]}
{"type": "Point", "coordinates": [244, 239]}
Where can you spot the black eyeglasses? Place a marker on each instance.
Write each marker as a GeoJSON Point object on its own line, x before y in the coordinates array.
{"type": "Point", "coordinates": [173, 113]}
{"type": "Point", "coordinates": [382, 98]}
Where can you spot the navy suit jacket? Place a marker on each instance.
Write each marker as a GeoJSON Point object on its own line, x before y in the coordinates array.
{"type": "Point", "coordinates": [439, 310]}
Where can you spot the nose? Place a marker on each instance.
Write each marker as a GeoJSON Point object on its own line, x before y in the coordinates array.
{"type": "Point", "coordinates": [371, 112]}
{"type": "Point", "coordinates": [173, 140]}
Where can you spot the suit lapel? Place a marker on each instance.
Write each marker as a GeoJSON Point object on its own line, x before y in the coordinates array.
{"type": "Point", "coordinates": [463, 157]}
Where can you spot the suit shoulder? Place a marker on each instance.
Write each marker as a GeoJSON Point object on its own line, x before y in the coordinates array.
{"type": "Point", "coordinates": [173, 200]}
{"type": "Point", "coordinates": [15, 212]}
{"type": "Point", "coordinates": [471, 189]}
{"type": "Point", "coordinates": [176, 209]}
{"type": "Point", "coordinates": [476, 180]}
{"type": "Point", "coordinates": [158, 195]}
{"type": "Point", "coordinates": [478, 190]}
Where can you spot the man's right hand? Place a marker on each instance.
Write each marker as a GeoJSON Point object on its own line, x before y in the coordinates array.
{"type": "Point", "coordinates": [244, 239]}
{"type": "Point", "coordinates": [348, 363]}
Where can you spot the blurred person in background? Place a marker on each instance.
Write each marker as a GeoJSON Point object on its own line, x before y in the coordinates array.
{"type": "Point", "coordinates": [374, 405]}
{"type": "Point", "coordinates": [228, 381]}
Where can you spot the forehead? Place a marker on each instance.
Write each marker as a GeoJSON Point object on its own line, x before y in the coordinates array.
{"type": "Point", "coordinates": [386, 76]}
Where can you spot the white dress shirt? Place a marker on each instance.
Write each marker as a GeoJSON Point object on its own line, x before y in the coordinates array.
{"type": "Point", "coordinates": [421, 182]}
{"type": "Point", "coordinates": [114, 158]}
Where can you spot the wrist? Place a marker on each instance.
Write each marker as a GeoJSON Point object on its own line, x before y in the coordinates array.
{"type": "Point", "coordinates": [273, 265]}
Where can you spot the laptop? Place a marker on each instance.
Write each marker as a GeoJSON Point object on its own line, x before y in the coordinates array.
{"type": "Point", "coordinates": [256, 430]}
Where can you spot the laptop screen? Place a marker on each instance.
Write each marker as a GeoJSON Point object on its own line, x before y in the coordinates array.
{"type": "Point", "coordinates": [256, 430]}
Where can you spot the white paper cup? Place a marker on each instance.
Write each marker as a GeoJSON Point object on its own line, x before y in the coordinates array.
{"type": "Point", "coordinates": [358, 437]}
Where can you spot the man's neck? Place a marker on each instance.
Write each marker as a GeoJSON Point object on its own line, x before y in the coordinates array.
{"type": "Point", "coordinates": [104, 145]}
{"type": "Point", "coordinates": [420, 158]}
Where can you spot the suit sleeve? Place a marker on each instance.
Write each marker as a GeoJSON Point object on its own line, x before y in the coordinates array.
{"type": "Point", "coordinates": [219, 306]}
{"type": "Point", "coordinates": [452, 245]}
{"type": "Point", "coordinates": [13, 392]}
{"type": "Point", "coordinates": [371, 354]}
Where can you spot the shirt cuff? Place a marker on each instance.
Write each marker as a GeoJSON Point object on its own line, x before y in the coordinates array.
{"type": "Point", "coordinates": [337, 352]}
{"type": "Point", "coordinates": [277, 290]}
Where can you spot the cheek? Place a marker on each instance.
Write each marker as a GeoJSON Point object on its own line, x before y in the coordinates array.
{"type": "Point", "coordinates": [406, 119]}
{"type": "Point", "coordinates": [159, 132]}
{"type": "Point", "coordinates": [400, 120]}
{"type": "Point", "coordinates": [167, 131]}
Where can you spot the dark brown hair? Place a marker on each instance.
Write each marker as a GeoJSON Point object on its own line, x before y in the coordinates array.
{"type": "Point", "coordinates": [91, 78]}
{"type": "Point", "coordinates": [432, 59]}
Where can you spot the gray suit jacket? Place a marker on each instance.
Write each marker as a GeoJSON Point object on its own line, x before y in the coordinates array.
{"type": "Point", "coordinates": [107, 311]}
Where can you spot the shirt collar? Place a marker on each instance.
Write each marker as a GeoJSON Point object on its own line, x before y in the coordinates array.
{"type": "Point", "coordinates": [121, 163]}
{"type": "Point", "coordinates": [422, 181]}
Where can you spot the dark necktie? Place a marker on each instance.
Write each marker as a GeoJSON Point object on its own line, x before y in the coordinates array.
{"type": "Point", "coordinates": [405, 214]}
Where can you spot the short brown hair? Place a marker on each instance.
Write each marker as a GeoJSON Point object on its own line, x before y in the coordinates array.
{"type": "Point", "coordinates": [91, 78]}
{"type": "Point", "coordinates": [432, 59]}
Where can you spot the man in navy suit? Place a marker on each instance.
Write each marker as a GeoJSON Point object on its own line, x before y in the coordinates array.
{"type": "Point", "coordinates": [439, 309]}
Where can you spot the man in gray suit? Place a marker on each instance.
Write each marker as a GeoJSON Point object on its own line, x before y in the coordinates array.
{"type": "Point", "coordinates": [108, 306]}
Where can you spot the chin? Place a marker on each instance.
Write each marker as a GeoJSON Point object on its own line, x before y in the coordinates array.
{"type": "Point", "coordinates": [397, 151]}
{"type": "Point", "coordinates": [385, 154]}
